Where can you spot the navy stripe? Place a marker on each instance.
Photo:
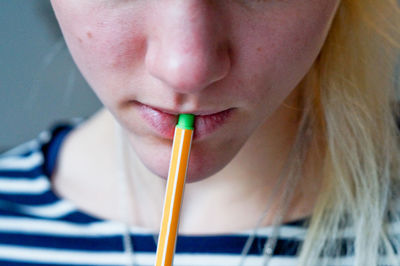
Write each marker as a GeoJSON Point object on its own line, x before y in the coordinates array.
{"type": "Point", "coordinates": [51, 149]}
{"type": "Point", "coordinates": [27, 153]}
{"type": "Point", "coordinates": [104, 244]}
{"type": "Point", "coordinates": [145, 243]}
{"type": "Point", "coordinates": [233, 245]}
{"type": "Point", "coordinates": [9, 209]}
{"type": "Point", "coordinates": [302, 222]}
{"type": "Point", "coordinates": [23, 154]}
{"type": "Point", "coordinates": [80, 218]}
{"type": "Point", "coordinates": [14, 211]}
{"type": "Point", "coordinates": [47, 197]}
{"type": "Point", "coordinates": [29, 173]}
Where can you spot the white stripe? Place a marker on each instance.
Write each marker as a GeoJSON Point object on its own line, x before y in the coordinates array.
{"type": "Point", "coordinates": [21, 163]}
{"type": "Point", "coordinates": [114, 258]}
{"type": "Point", "coordinates": [297, 232]}
{"type": "Point", "coordinates": [348, 232]}
{"type": "Point", "coordinates": [48, 227]}
{"type": "Point", "coordinates": [41, 255]}
{"type": "Point", "coordinates": [44, 227]}
{"type": "Point", "coordinates": [60, 256]}
{"type": "Point", "coordinates": [22, 148]}
{"type": "Point", "coordinates": [44, 136]}
{"type": "Point", "coordinates": [215, 260]}
{"type": "Point", "coordinates": [229, 260]}
{"type": "Point", "coordinates": [28, 225]}
{"type": "Point", "coordinates": [24, 185]}
{"type": "Point", "coordinates": [54, 210]}
{"type": "Point", "coordinates": [286, 231]}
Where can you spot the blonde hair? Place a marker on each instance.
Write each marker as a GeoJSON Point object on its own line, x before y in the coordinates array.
{"type": "Point", "coordinates": [349, 101]}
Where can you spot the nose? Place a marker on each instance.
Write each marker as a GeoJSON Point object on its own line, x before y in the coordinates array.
{"type": "Point", "coordinates": [187, 47]}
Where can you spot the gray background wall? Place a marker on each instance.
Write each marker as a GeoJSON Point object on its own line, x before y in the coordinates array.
{"type": "Point", "coordinates": [39, 83]}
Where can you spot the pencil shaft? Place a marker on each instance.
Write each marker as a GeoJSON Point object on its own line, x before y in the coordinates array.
{"type": "Point", "coordinates": [173, 198]}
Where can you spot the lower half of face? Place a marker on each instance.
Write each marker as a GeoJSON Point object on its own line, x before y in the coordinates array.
{"type": "Point", "coordinates": [233, 62]}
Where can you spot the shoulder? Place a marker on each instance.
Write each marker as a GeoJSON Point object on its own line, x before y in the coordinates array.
{"type": "Point", "coordinates": [25, 169]}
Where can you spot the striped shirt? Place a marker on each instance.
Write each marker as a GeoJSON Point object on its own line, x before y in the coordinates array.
{"type": "Point", "coordinates": [38, 227]}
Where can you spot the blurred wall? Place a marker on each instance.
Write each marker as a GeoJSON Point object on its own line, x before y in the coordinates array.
{"type": "Point", "coordinates": [39, 83]}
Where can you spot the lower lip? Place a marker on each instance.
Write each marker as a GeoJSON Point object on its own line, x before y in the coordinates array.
{"type": "Point", "coordinates": [164, 124]}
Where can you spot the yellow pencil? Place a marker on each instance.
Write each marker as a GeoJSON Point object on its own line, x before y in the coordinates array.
{"type": "Point", "coordinates": [173, 196]}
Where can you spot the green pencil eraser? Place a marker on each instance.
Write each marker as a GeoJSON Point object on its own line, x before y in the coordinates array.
{"type": "Point", "coordinates": [186, 121]}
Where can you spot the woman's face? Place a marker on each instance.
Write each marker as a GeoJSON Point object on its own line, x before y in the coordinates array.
{"type": "Point", "coordinates": [231, 62]}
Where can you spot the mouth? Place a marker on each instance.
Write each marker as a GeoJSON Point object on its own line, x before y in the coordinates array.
{"type": "Point", "coordinates": [163, 121]}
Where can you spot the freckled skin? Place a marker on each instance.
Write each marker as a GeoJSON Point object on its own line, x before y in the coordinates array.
{"type": "Point", "coordinates": [194, 54]}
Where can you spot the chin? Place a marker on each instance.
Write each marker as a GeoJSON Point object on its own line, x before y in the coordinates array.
{"type": "Point", "coordinates": [205, 160]}
{"type": "Point", "coordinates": [198, 169]}
{"type": "Point", "coordinates": [202, 164]}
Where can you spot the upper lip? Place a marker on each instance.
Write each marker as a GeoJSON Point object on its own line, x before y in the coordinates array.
{"type": "Point", "coordinates": [194, 112]}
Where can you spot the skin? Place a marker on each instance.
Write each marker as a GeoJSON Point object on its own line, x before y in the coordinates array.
{"type": "Point", "coordinates": [193, 55]}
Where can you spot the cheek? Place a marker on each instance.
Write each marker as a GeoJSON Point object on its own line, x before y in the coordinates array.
{"type": "Point", "coordinates": [284, 53]}
{"type": "Point", "coordinates": [301, 38]}
{"type": "Point", "coordinates": [112, 47]}
{"type": "Point", "coordinates": [108, 51]}
{"type": "Point", "coordinates": [102, 38]}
